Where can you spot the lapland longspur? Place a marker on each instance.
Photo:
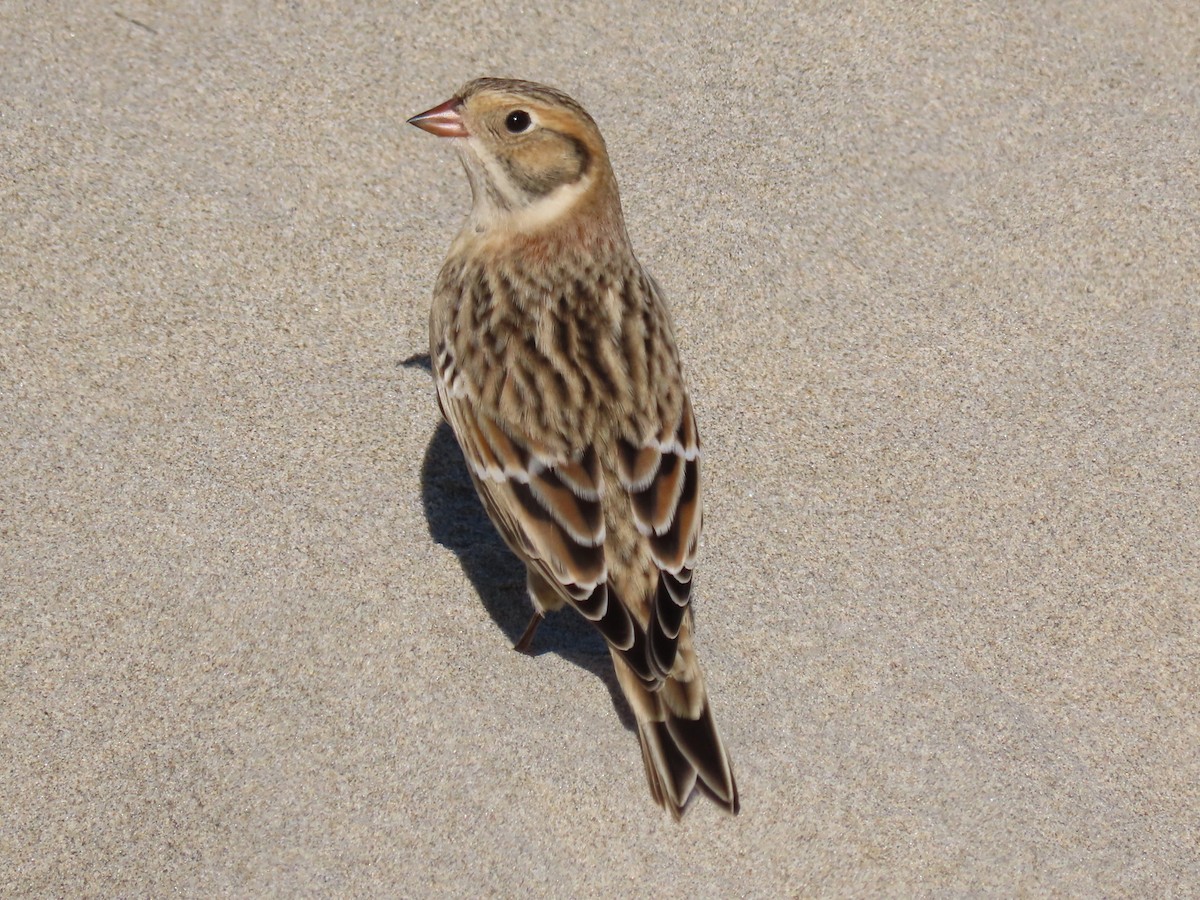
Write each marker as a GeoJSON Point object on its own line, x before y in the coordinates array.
{"type": "Point", "coordinates": [556, 367]}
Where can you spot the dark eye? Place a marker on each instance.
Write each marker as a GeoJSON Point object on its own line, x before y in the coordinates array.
{"type": "Point", "coordinates": [517, 121]}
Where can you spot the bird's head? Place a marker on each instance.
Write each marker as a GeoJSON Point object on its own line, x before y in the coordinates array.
{"type": "Point", "coordinates": [534, 157]}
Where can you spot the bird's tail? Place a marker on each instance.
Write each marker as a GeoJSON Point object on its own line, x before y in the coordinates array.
{"type": "Point", "coordinates": [681, 748]}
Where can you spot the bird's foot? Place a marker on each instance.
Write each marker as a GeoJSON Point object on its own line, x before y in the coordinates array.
{"type": "Point", "coordinates": [525, 643]}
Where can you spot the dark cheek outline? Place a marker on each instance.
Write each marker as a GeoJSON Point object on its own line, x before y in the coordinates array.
{"type": "Point", "coordinates": [582, 154]}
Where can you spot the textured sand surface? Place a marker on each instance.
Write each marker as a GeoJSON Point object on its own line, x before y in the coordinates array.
{"type": "Point", "coordinates": [936, 278]}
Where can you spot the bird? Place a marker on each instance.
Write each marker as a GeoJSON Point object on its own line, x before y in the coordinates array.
{"type": "Point", "coordinates": [557, 369]}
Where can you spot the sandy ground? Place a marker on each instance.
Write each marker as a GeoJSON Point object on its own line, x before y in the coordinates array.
{"type": "Point", "coordinates": [935, 276]}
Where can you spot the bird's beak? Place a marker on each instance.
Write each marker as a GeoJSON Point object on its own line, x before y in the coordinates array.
{"type": "Point", "coordinates": [444, 120]}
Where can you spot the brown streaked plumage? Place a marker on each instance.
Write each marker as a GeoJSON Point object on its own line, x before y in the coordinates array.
{"type": "Point", "coordinates": [557, 369]}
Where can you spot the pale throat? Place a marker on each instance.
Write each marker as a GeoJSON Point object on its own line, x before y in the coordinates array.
{"type": "Point", "coordinates": [498, 206]}
{"type": "Point", "coordinates": [550, 208]}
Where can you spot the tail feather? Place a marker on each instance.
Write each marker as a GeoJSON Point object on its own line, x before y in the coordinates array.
{"type": "Point", "coordinates": [672, 778]}
{"type": "Point", "coordinates": [699, 743]}
{"type": "Point", "coordinates": [683, 753]}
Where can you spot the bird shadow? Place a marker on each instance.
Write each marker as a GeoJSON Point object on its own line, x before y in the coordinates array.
{"type": "Point", "coordinates": [458, 522]}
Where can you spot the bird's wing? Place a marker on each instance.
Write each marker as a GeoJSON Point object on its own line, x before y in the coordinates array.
{"type": "Point", "coordinates": [549, 503]}
{"type": "Point", "coordinates": [662, 478]}
{"type": "Point", "coordinates": [548, 506]}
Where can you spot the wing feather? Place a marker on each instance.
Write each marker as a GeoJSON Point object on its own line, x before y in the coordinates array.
{"type": "Point", "coordinates": [548, 508]}
{"type": "Point", "coordinates": [662, 478]}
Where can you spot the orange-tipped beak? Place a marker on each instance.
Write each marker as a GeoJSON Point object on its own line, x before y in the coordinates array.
{"type": "Point", "coordinates": [444, 120]}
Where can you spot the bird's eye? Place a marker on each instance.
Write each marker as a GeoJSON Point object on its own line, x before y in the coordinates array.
{"type": "Point", "coordinates": [517, 121]}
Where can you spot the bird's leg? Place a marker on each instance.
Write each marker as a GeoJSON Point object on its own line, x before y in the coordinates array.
{"type": "Point", "coordinates": [523, 645]}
